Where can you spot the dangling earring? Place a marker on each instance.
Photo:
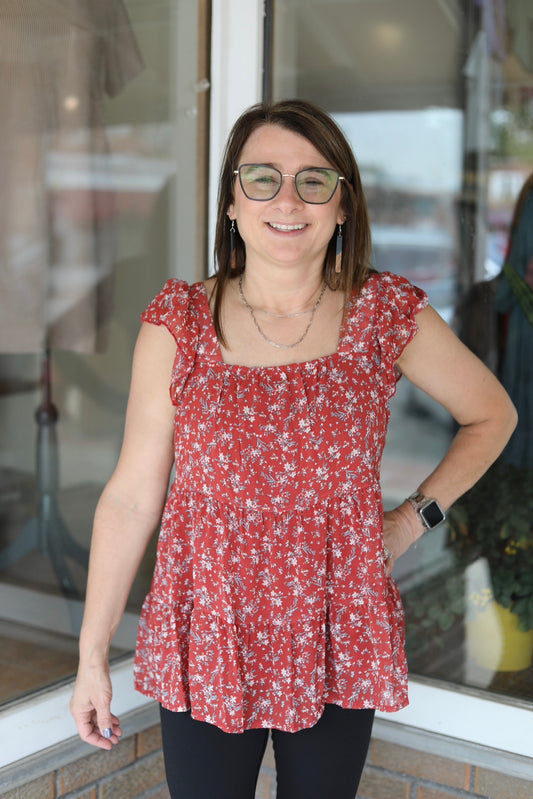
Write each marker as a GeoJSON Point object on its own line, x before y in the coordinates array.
{"type": "Point", "coordinates": [338, 251]}
{"type": "Point", "coordinates": [232, 255]}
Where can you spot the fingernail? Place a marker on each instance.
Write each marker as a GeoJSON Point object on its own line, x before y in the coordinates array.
{"type": "Point", "coordinates": [107, 733]}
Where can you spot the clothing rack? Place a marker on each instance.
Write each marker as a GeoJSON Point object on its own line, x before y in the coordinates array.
{"type": "Point", "coordinates": [47, 532]}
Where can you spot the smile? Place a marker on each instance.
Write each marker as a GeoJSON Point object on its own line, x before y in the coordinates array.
{"type": "Point", "coordinates": [286, 227]}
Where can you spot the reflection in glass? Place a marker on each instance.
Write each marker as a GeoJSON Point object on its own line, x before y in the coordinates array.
{"type": "Point", "coordinates": [58, 229]}
{"type": "Point", "coordinates": [491, 526]}
{"type": "Point", "coordinates": [88, 164]}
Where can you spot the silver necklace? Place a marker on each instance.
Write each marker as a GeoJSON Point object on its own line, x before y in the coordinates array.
{"type": "Point", "coordinates": [263, 335]}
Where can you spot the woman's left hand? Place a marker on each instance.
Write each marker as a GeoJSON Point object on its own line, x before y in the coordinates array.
{"type": "Point", "coordinates": [401, 528]}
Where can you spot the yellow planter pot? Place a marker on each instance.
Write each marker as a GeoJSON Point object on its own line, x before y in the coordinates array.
{"type": "Point", "coordinates": [494, 640]}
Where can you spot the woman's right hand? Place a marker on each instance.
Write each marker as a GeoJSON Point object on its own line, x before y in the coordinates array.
{"type": "Point", "coordinates": [91, 708]}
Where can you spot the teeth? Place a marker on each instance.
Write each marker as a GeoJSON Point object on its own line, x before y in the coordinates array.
{"type": "Point", "coordinates": [286, 227]}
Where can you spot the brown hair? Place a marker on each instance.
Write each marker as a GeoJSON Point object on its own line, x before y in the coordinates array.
{"type": "Point", "coordinates": [311, 122]}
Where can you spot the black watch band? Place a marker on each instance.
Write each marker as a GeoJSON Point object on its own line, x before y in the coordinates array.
{"type": "Point", "coordinates": [428, 510]}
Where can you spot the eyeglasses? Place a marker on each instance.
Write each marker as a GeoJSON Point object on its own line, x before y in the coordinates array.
{"type": "Point", "coordinates": [262, 182]}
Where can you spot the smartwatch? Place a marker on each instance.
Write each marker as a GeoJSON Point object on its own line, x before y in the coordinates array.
{"type": "Point", "coordinates": [428, 510]}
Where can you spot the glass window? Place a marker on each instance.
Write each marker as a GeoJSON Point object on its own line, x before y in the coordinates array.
{"type": "Point", "coordinates": [436, 98]}
{"type": "Point", "coordinates": [102, 181]}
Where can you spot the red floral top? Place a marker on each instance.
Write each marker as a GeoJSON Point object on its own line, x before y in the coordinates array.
{"type": "Point", "coordinates": [269, 596]}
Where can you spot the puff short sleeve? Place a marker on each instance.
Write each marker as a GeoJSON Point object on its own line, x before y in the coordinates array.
{"type": "Point", "coordinates": [398, 303]}
{"type": "Point", "coordinates": [385, 324]}
{"type": "Point", "coordinates": [173, 308]}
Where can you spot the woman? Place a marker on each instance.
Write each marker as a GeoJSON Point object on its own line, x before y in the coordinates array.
{"type": "Point", "coordinates": [272, 605]}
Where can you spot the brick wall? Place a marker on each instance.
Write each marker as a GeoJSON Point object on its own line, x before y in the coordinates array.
{"type": "Point", "coordinates": [134, 770]}
{"type": "Point", "coordinates": [397, 772]}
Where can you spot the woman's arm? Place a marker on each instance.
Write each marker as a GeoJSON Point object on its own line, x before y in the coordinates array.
{"type": "Point", "coordinates": [438, 363]}
{"type": "Point", "coordinates": [127, 515]}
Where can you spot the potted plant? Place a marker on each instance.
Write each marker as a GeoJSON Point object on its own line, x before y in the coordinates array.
{"type": "Point", "coordinates": [493, 523]}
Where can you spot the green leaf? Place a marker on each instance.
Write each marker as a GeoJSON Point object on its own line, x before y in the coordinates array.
{"type": "Point", "coordinates": [446, 621]}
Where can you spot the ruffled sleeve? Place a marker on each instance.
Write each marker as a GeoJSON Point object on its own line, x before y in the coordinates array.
{"type": "Point", "coordinates": [173, 308]}
{"type": "Point", "coordinates": [397, 303]}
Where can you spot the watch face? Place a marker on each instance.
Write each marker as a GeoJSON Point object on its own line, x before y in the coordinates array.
{"type": "Point", "coordinates": [432, 514]}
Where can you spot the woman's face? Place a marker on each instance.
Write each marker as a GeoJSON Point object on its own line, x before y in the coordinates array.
{"type": "Point", "coordinates": [285, 230]}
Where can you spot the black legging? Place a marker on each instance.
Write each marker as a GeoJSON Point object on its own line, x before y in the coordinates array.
{"type": "Point", "coordinates": [203, 762]}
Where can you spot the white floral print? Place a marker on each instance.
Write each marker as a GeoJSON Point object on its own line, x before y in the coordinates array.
{"type": "Point", "coordinates": [269, 596]}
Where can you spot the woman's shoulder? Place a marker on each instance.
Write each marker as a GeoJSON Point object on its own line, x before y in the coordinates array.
{"type": "Point", "coordinates": [175, 294]}
{"type": "Point", "coordinates": [386, 291]}
{"type": "Point", "coordinates": [387, 281]}
{"type": "Point", "coordinates": [176, 307]}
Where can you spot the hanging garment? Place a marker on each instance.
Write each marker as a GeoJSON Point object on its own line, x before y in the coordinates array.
{"type": "Point", "coordinates": [517, 366]}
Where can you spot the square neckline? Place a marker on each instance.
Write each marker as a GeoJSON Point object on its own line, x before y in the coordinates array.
{"type": "Point", "coordinates": [333, 356]}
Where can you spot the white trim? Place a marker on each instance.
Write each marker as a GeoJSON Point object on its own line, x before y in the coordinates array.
{"type": "Point", "coordinates": [64, 753]}
{"type": "Point", "coordinates": [42, 720]}
{"type": "Point", "coordinates": [468, 715]}
{"type": "Point", "coordinates": [461, 751]}
{"type": "Point", "coordinates": [236, 78]}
